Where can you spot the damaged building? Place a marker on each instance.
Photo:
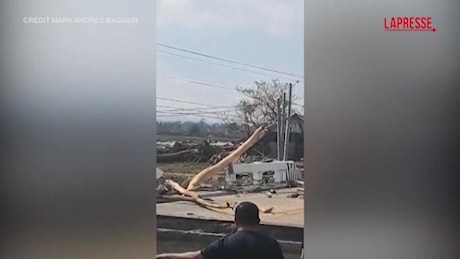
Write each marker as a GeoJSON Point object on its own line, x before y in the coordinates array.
{"type": "Point", "coordinates": [268, 144]}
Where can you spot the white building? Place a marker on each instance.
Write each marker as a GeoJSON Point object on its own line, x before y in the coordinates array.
{"type": "Point", "coordinates": [262, 174]}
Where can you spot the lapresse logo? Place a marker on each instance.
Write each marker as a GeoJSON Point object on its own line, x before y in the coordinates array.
{"type": "Point", "coordinates": [408, 24]}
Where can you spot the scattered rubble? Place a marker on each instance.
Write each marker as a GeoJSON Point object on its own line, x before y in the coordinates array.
{"type": "Point", "coordinates": [221, 155]}
{"type": "Point", "coordinates": [188, 194]}
{"type": "Point", "coordinates": [205, 151]}
{"type": "Point", "coordinates": [190, 151]}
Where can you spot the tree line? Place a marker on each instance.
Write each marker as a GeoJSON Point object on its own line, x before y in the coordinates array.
{"type": "Point", "coordinates": [198, 129]}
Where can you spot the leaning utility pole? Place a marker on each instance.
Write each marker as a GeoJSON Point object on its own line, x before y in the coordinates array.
{"type": "Point", "coordinates": [278, 129]}
{"type": "Point", "coordinates": [287, 127]}
{"type": "Point", "coordinates": [283, 124]}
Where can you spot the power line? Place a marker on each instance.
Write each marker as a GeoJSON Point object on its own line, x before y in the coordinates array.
{"type": "Point", "coordinates": [202, 108]}
{"type": "Point", "coordinates": [201, 116]}
{"type": "Point", "coordinates": [195, 113]}
{"type": "Point", "coordinates": [210, 85]}
{"type": "Point", "coordinates": [206, 109]}
{"type": "Point", "coordinates": [198, 82]}
{"type": "Point", "coordinates": [229, 61]}
{"type": "Point", "coordinates": [224, 65]}
{"type": "Point", "coordinates": [206, 84]}
{"type": "Point", "coordinates": [184, 101]}
{"type": "Point", "coordinates": [201, 104]}
{"type": "Point", "coordinates": [187, 102]}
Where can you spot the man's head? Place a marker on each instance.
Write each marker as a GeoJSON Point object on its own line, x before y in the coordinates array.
{"type": "Point", "coordinates": [246, 214]}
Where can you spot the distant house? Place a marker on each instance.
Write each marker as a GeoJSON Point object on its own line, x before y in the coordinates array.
{"type": "Point", "coordinates": [268, 144]}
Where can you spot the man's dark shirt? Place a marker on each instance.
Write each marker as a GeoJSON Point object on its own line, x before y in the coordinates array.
{"type": "Point", "coordinates": [244, 245]}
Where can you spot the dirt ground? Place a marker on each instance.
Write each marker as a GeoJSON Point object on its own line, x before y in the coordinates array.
{"type": "Point", "coordinates": [182, 167]}
{"type": "Point", "coordinates": [180, 172]}
{"type": "Point", "coordinates": [286, 211]}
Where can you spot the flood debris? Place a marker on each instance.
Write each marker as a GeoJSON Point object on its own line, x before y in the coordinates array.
{"type": "Point", "coordinates": [270, 179]}
{"type": "Point", "coordinates": [214, 169]}
{"type": "Point", "coordinates": [191, 151]}
{"type": "Point", "coordinates": [188, 194]}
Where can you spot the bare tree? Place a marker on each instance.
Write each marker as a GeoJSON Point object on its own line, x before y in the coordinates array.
{"type": "Point", "coordinates": [258, 106]}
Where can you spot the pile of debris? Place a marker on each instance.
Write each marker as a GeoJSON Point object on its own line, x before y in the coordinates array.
{"type": "Point", "coordinates": [168, 152]}
{"type": "Point", "coordinates": [169, 190]}
{"type": "Point", "coordinates": [300, 165]}
{"type": "Point", "coordinates": [205, 151]}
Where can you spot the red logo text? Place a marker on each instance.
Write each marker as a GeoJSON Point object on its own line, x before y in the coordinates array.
{"type": "Point", "coordinates": [404, 23]}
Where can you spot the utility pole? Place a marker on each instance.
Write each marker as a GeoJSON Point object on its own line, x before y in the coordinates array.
{"type": "Point", "coordinates": [287, 127]}
{"type": "Point", "coordinates": [278, 129]}
{"type": "Point", "coordinates": [283, 124]}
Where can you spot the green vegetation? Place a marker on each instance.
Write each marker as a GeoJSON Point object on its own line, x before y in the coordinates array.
{"type": "Point", "coordinates": [188, 168]}
{"type": "Point", "coordinates": [181, 172]}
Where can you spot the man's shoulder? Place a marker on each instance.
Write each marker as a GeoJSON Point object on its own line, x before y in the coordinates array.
{"type": "Point", "coordinates": [246, 244]}
{"type": "Point", "coordinates": [255, 243]}
{"type": "Point", "coordinates": [251, 235]}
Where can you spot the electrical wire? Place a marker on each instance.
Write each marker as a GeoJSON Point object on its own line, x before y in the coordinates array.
{"type": "Point", "coordinates": [229, 61]}
{"type": "Point", "coordinates": [225, 65]}
{"type": "Point", "coordinates": [184, 101]}
{"type": "Point", "coordinates": [201, 116]}
{"type": "Point", "coordinates": [197, 82]}
{"type": "Point", "coordinates": [173, 109]}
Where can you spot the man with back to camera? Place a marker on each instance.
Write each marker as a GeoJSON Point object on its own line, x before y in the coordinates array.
{"type": "Point", "coordinates": [245, 243]}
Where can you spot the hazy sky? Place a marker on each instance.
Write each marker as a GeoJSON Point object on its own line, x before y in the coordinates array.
{"type": "Point", "coordinates": [265, 33]}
